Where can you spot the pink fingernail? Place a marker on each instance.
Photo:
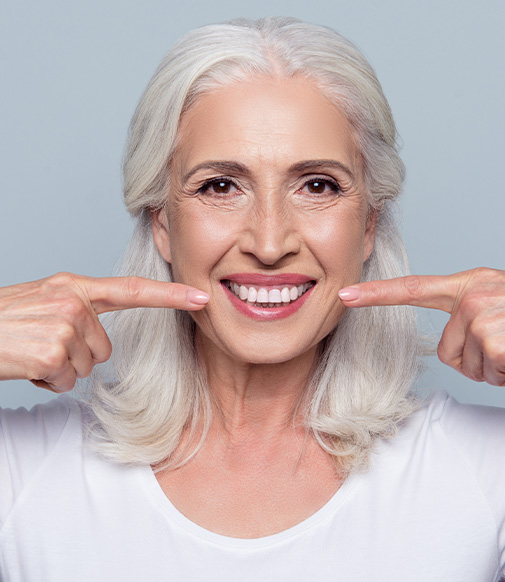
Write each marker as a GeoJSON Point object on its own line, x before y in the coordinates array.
{"type": "Point", "coordinates": [198, 297]}
{"type": "Point", "coordinates": [349, 294]}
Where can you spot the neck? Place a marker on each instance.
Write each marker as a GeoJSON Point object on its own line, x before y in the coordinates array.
{"type": "Point", "coordinates": [259, 400]}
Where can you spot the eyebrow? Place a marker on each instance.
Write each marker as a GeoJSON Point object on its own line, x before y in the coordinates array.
{"type": "Point", "coordinates": [227, 167]}
{"type": "Point", "coordinates": [221, 167]}
{"type": "Point", "coordinates": [318, 164]}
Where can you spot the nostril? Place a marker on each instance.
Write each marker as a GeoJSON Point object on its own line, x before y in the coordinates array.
{"type": "Point", "coordinates": [270, 239]}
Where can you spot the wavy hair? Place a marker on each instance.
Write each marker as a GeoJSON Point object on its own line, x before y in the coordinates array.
{"type": "Point", "coordinates": [154, 389]}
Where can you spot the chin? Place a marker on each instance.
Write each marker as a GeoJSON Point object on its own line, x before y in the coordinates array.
{"type": "Point", "coordinates": [268, 354]}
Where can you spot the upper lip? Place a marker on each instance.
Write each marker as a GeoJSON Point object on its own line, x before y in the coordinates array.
{"type": "Point", "coordinates": [268, 280]}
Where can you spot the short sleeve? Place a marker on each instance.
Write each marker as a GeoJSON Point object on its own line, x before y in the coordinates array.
{"type": "Point", "coordinates": [478, 434]}
{"type": "Point", "coordinates": [26, 440]}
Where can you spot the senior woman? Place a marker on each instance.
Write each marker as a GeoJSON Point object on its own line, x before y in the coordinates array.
{"type": "Point", "coordinates": [247, 434]}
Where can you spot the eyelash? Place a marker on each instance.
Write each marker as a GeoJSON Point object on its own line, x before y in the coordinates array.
{"type": "Point", "coordinates": [333, 184]}
{"type": "Point", "coordinates": [206, 185]}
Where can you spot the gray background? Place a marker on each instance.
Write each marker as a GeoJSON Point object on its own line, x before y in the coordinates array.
{"type": "Point", "coordinates": [71, 73]}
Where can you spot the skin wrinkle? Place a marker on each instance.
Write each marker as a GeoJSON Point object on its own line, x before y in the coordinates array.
{"type": "Point", "coordinates": [259, 470]}
{"type": "Point", "coordinates": [264, 228]}
{"type": "Point", "coordinates": [225, 167]}
{"type": "Point", "coordinates": [269, 211]}
{"type": "Point", "coordinates": [233, 406]}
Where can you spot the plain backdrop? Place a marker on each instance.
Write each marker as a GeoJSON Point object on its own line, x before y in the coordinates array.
{"type": "Point", "coordinates": [72, 72]}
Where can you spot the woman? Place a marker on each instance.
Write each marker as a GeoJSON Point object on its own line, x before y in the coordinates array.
{"type": "Point", "coordinates": [246, 434]}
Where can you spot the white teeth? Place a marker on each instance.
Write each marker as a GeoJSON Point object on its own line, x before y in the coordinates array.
{"type": "Point", "coordinates": [243, 292]}
{"type": "Point", "coordinates": [252, 295]}
{"type": "Point", "coordinates": [262, 296]}
{"type": "Point", "coordinates": [274, 296]}
{"type": "Point", "coordinates": [285, 295]}
{"type": "Point", "coordinates": [268, 298]}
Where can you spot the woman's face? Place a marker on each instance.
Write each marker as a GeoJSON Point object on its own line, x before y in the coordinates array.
{"type": "Point", "coordinates": [266, 212]}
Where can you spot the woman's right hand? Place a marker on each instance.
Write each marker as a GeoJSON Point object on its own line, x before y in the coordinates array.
{"type": "Point", "coordinates": [49, 329]}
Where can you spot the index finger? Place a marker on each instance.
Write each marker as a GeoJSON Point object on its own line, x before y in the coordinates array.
{"type": "Point", "coordinates": [117, 293]}
{"type": "Point", "coordinates": [432, 291]}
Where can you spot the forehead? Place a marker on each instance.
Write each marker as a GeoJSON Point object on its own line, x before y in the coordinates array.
{"type": "Point", "coordinates": [266, 119]}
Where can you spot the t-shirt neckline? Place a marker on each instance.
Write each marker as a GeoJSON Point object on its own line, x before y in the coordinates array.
{"type": "Point", "coordinates": [333, 505]}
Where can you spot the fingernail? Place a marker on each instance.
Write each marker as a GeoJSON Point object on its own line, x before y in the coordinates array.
{"type": "Point", "coordinates": [349, 294]}
{"type": "Point", "coordinates": [198, 297]}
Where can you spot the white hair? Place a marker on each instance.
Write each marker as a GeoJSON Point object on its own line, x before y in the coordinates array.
{"type": "Point", "coordinates": [155, 389]}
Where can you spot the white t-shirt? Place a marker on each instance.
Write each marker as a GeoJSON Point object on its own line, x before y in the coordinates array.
{"type": "Point", "coordinates": [431, 508]}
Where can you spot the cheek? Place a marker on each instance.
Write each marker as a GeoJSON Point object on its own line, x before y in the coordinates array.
{"type": "Point", "coordinates": [198, 240]}
{"type": "Point", "coordinates": [340, 244]}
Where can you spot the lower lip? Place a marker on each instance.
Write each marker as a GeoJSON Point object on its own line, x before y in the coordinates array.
{"type": "Point", "coordinates": [267, 313]}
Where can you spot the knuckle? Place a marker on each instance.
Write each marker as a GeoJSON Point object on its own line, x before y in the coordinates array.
{"type": "Point", "coordinates": [64, 334]}
{"type": "Point", "coordinates": [480, 271]}
{"type": "Point", "coordinates": [107, 351]}
{"type": "Point", "coordinates": [55, 358]}
{"type": "Point", "coordinates": [103, 352]}
{"type": "Point", "coordinates": [478, 329]}
{"type": "Point", "coordinates": [413, 286]}
{"type": "Point", "coordinates": [72, 306]}
{"type": "Point", "coordinates": [495, 378]}
{"type": "Point", "coordinates": [61, 279]}
{"type": "Point", "coordinates": [494, 351]}
{"type": "Point", "coordinates": [442, 354]}
{"type": "Point", "coordinates": [472, 303]}
{"type": "Point", "coordinates": [85, 370]}
{"type": "Point", "coordinates": [68, 382]}
{"type": "Point", "coordinates": [491, 380]}
{"type": "Point", "coordinates": [471, 372]}
{"type": "Point", "coordinates": [486, 278]}
{"type": "Point", "coordinates": [134, 286]}
{"type": "Point", "coordinates": [62, 294]}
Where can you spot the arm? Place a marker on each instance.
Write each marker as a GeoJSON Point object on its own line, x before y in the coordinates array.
{"type": "Point", "coordinates": [473, 341]}
{"type": "Point", "coordinates": [49, 329]}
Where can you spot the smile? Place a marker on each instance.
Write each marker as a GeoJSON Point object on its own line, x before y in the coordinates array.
{"type": "Point", "coordinates": [268, 296]}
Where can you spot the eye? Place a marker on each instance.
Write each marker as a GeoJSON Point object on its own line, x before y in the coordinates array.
{"type": "Point", "coordinates": [219, 186]}
{"type": "Point", "coordinates": [320, 186]}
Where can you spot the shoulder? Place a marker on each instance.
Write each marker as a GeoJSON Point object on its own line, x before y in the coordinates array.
{"type": "Point", "coordinates": [29, 437]}
{"type": "Point", "coordinates": [39, 429]}
{"type": "Point", "coordinates": [470, 428]}
{"type": "Point", "coordinates": [468, 437]}
{"type": "Point", "coordinates": [450, 441]}
{"type": "Point", "coordinates": [476, 432]}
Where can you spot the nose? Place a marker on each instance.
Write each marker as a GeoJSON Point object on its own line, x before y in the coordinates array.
{"type": "Point", "coordinates": [271, 233]}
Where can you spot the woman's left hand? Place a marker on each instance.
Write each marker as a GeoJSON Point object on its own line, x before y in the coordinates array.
{"type": "Point", "coordinates": [473, 341]}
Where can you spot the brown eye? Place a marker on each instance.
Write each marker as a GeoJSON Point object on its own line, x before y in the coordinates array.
{"type": "Point", "coordinates": [218, 186]}
{"type": "Point", "coordinates": [316, 187]}
{"type": "Point", "coordinates": [221, 186]}
{"type": "Point", "coordinates": [322, 187]}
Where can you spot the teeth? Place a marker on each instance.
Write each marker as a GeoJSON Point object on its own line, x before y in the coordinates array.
{"type": "Point", "coordinates": [243, 292]}
{"type": "Point", "coordinates": [252, 295]}
{"type": "Point", "coordinates": [262, 296]}
{"type": "Point", "coordinates": [285, 295]}
{"type": "Point", "coordinates": [274, 296]}
{"type": "Point", "coordinates": [268, 298]}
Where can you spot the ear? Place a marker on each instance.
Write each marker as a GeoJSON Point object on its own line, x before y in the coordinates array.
{"type": "Point", "coordinates": [159, 222]}
{"type": "Point", "coordinates": [370, 235]}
